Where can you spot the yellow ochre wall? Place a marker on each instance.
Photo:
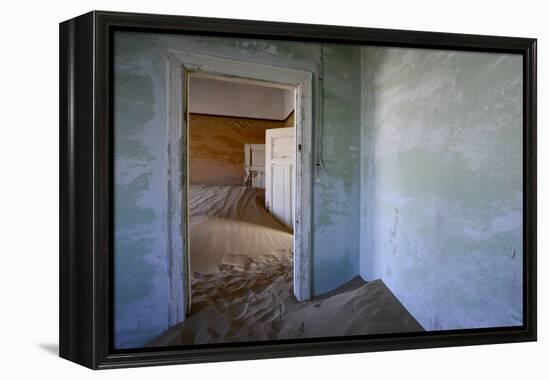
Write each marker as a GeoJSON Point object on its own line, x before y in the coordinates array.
{"type": "Point", "coordinates": [216, 146]}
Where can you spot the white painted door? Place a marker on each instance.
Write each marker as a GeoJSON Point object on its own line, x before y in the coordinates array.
{"type": "Point", "coordinates": [279, 170]}
{"type": "Point", "coordinates": [254, 165]}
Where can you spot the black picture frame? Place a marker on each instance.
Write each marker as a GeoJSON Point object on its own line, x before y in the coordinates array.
{"type": "Point", "coordinates": [86, 188]}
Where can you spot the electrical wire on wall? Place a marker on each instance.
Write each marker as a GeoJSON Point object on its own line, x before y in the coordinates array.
{"type": "Point", "coordinates": [319, 163]}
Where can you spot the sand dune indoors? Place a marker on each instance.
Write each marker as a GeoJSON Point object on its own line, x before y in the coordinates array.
{"type": "Point", "coordinates": [231, 220]}
{"type": "Point", "coordinates": [241, 259]}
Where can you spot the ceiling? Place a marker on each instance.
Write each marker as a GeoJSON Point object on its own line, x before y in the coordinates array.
{"type": "Point", "coordinates": [223, 97]}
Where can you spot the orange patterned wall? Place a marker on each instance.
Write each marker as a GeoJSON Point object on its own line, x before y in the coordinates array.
{"type": "Point", "coordinates": [216, 146]}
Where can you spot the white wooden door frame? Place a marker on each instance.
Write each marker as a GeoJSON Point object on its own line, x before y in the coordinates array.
{"type": "Point", "coordinates": [180, 65]}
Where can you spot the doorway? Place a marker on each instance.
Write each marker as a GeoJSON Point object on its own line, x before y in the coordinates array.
{"type": "Point", "coordinates": [291, 208]}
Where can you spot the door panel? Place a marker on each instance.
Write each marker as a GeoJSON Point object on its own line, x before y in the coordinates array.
{"type": "Point", "coordinates": [283, 146]}
{"type": "Point", "coordinates": [254, 165]}
{"type": "Point", "coordinates": [279, 166]}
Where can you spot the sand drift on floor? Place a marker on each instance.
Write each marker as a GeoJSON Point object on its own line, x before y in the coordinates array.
{"type": "Point", "coordinates": [241, 260]}
{"type": "Point", "coordinates": [251, 299]}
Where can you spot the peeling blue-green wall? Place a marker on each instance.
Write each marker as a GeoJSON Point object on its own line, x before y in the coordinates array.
{"type": "Point", "coordinates": [441, 183]}
{"type": "Point", "coordinates": [336, 189]}
{"type": "Point", "coordinates": [141, 187]}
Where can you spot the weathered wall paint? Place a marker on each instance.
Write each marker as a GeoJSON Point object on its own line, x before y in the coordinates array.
{"type": "Point", "coordinates": [336, 188]}
{"type": "Point", "coordinates": [216, 147]}
{"type": "Point", "coordinates": [441, 189]}
{"type": "Point", "coordinates": [141, 276]}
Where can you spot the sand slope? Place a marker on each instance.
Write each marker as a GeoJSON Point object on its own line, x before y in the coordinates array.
{"type": "Point", "coordinates": [231, 220]}
{"type": "Point", "coordinates": [230, 202]}
{"type": "Point", "coordinates": [251, 299]}
{"type": "Point", "coordinates": [241, 262]}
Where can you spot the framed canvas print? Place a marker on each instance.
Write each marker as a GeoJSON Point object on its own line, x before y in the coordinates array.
{"type": "Point", "coordinates": [237, 189]}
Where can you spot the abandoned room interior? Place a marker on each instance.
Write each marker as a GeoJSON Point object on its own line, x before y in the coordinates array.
{"type": "Point", "coordinates": [283, 190]}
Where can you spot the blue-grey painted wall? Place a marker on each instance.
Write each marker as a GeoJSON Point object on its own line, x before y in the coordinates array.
{"type": "Point", "coordinates": [441, 183]}
{"type": "Point", "coordinates": [336, 188]}
{"type": "Point", "coordinates": [141, 277]}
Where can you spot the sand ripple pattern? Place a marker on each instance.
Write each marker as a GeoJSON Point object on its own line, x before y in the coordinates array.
{"type": "Point", "coordinates": [251, 299]}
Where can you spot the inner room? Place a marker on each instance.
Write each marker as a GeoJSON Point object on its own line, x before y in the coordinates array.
{"type": "Point", "coordinates": [232, 216]}
{"type": "Point", "coordinates": [241, 155]}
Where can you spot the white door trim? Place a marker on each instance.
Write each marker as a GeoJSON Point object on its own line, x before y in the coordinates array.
{"type": "Point", "coordinates": [180, 64]}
